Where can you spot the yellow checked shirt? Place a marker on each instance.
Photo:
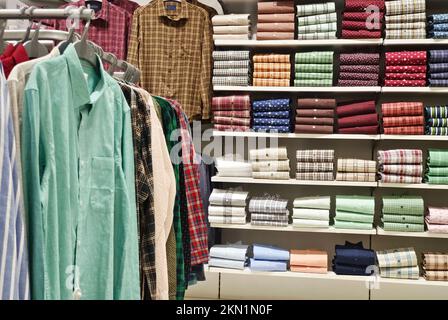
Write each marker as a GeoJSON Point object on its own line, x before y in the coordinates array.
{"type": "Point", "coordinates": [170, 44]}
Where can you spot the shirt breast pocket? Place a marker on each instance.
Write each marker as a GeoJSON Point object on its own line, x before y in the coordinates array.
{"type": "Point", "coordinates": [102, 184]}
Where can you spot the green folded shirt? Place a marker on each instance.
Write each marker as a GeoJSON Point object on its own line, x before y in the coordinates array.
{"type": "Point", "coordinates": [338, 224]}
{"type": "Point", "coordinates": [358, 204]}
{"type": "Point", "coordinates": [313, 75]}
{"type": "Point", "coordinates": [354, 217]}
{"type": "Point", "coordinates": [313, 83]}
{"type": "Point", "coordinates": [405, 205]}
{"type": "Point", "coordinates": [403, 218]}
{"type": "Point", "coordinates": [403, 227]}
{"type": "Point", "coordinates": [437, 171]}
{"type": "Point", "coordinates": [438, 157]}
{"type": "Point", "coordinates": [436, 179]}
{"type": "Point", "coordinates": [314, 57]}
{"type": "Point", "coordinates": [313, 67]}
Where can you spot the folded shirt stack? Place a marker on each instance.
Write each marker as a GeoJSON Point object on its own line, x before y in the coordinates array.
{"type": "Point", "coordinates": [403, 118]}
{"type": "Point", "coordinates": [356, 170]}
{"type": "Point", "coordinates": [268, 212]}
{"type": "Point", "coordinates": [353, 259]}
{"type": "Point", "coordinates": [231, 27]}
{"type": "Point", "coordinates": [315, 116]}
{"type": "Point", "coordinates": [309, 261]}
{"type": "Point", "coordinates": [405, 69]}
{"type": "Point", "coordinates": [403, 214]}
{"type": "Point", "coordinates": [231, 113]}
{"type": "Point", "coordinates": [314, 69]}
{"type": "Point", "coordinates": [398, 263]}
{"type": "Point", "coordinates": [359, 23]}
{"type": "Point", "coordinates": [231, 68]}
{"type": "Point", "coordinates": [233, 168]}
{"type": "Point", "coordinates": [438, 68]}
{"type": "Point", "coordinates": [317, 21]}
{"type": "Point", "coordinates": [357, 118]}
{"type": "Point", "coordinates": [437, 220]}
{"type": "Point", "coordinates": [406, 19]}
{"type": "Point", "coordinates": [227, 206]}
{"type": "Point", "coordinates": [231, 256]}
{"type": "Point", "coordinates": [270, 163]}
{"type": "Point", "coordinates": [311, 212]}
{"type": "Point", "coordinates": [271, 70]}
{"type": "Point", "coordinates": [438, 26]}
{"type": "Point", "coordinates": [435, 266]}
{"type": "Point", "coordinates": [275, 20]}
{"type": "Point", "coordinates": [359, 69]}
{"type": "Point", "coordinates": [400, 166]}
{"type": "Point", "coordinates": [269, 258]}
{"type": "Point", "coordinates": [437, 166]}
{"type": "Point", "coordinates": [272, 115]}
{"type": "Point", "coordinates": [354, 212]}
{"type": "Point", "coordinates": [436, 120]}
{"type": "Point", "coordinates": [315, 165]}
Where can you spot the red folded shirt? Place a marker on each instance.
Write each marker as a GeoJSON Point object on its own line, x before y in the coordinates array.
{"type": "Point", "coordinates": [310, 113]}
{"type": "Point", "coordinates": [358, 76]}
{"type": "Point", "coordinates": [402, 108]}
{"type": "Point", "coordinates": [402, 121]}
{"type": "Point", "coordinates": [406, 58]}
{"type": "Point", "coordinates": [359, 130]}
{"type": "Point", "coordinates": [315, 121]}
{"type": "Point", "coordinates": [231, 103]}
{"type": "Point", "coordinates": [361, 5]}
{"type": "Point", "coordinates": [234, 114]}
{"type": "Point", "coordinates": [360, 16]}
{"type": "Point", "coordinates": [360, 34]}
{"type": "Point", "coordinates": [405, 83]}
{"type": "Point", "coordinates": [358, 25]}
{"type": "Point", "coordinates": [303, 128]}
{"type": "Point", "coordinates": [406, 76]}
{"type": "Point", "coordinates": [416, 130]}
{"type": "Point", "coordinates": [310, 103]}
{"type": "Point", "coordinates": [361, 68]}
{"type": "Point", "coordinates": [224, 127]}
{"type": "Point", "coordinates": [407, 69]}
{"type": "Point", "coordinates": [365, 107]}
{"type": "Point", "coordinates": [232, 121]}
{"type": "Point", "coordinates": [357, 83]}
{"type": "Point", "coordinates": [358, 121]}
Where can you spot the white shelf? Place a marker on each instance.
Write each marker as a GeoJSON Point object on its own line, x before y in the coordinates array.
{"type": "Point", "coordinates": [297, 43]}
{"type": "Point", "coordinates": [414, 90]}
{"type": "Point", "coordinates": [414, 138]}
{"type": "Point", "coordinates": [290, 228]}
{"type": "Point", "coordinates": [251, 134]}
{"type": "Point", "coordinates": [297, 89]}
{"type": "Point", "coordinates": [424, 186]}
{"type": "Point", "coordinates": [399, 42]}
{"type": "Point", "coordinates": [426, 234]}
{"type": "Point", "coordinates": [295, 182]}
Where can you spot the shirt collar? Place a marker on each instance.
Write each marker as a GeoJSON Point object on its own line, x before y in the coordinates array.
{"type": "Point", "coordinates": [102, 14]}
{"type": "Point", "coordinates": [180, 13]}
{"type": "Point", "coordinates": [78, 81]}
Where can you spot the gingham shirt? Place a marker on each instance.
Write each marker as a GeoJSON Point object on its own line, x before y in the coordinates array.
{"type": "Point", "coordinates": [231, 64]}
{"type": "Point", "coordinates": [262, 205]}
{"type": "Point", "coordinates": [406, 34]}
{"type": "Point", "coordinates": [435, 261]}
{"type": "Point", "coordinates": [413, 17]}
{"type": "Point", "coordinates": [405, 6]}
{"type": "Point", "coordinates": [403, 218]}
{"type": "Point", "coordinates": [318, 19]}
{"type": "Point", "coordinates": [228, 197]}
{"type": "Point", "coordinates": [161, 41]}
{"type": "Point", "coordinates": [316, 176]}
{"type": "Point", "coordinates": [403, 121]}
{"type": "Point", "coordinates": [271, 58]}
{"type": "Point", "coordinates": [406, 25]}
{"type": "Point", "coordinates": [314, 57]}
{"type": "Point", "coordinates": [317, 36]}
{"type": "Point", "coordinates": [259, 82]}
{"type": "Point", "coordinates": [356, 165]}
{"type": "Point", "coordinates": [407, 205]}
{"type": "Point", "coordinates": [241, 102]}
{"type": "Point", "coordinates": [403, 227]}
{"type": "Point", "coordinates": [272, 67]}
{"type": "Point", "coordinates": [230, 81]}
{"type": "Point", "coordinates": [313, 83]}
{"type": "Point", "coordinates": [230, 55]}
{"type": "Point", "coordinates": [401, 273]}
{"type": "Point", "coordinates": [402, 108]}
{"type": "Point", "coordinates": [314, 67]}
{"type": "Point", "coordinates": [400, 156]}
{"type": "Point", "coordinates": [272, 175]}
{"type": "Point", "coordinates": [269, 223]}
{"type": "Point", "coordinates": [315, 155]}
{"type": "Point", "coordinates": [314, 166]}
{"type": "Point", "coordinates": [313, 28]}
{"type": "Point", "coordinates": [232, 72]}
{"type": "Point", "coordinates": [316, 8]}
{"type": "Point", "coordinates": [272, 75]}
{"type": "Point", "coordinates": [397, 258]}
{"type": "Point", "coordinates": [356, 176]}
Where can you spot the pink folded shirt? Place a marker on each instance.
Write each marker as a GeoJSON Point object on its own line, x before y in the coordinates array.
{"type": "Point", "coordinates": [276, 27]}
{"type": "Point", "coordinates": [437, 215]}
{"type": "Point", "coordinates": [275, 17]}
{"type": "Point", "coordinates": [275, 35]}
{"type": "Point", "coordinates": [437, 228]}
{"type": "Point", "coordinates": [308, 269]}
{"type": "Point", "coordinates": [276, 7]}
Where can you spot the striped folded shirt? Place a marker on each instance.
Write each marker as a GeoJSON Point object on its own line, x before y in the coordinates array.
{"type": "Point", "coordinates": [317, 19]}
{"type": "Point", "coordinates": [436, 112]}
{"type": "Point", "coordinates": [316, 155]}
{"type": "Point", "coordinates": [356, 176]}
{"type": "Point", "coordinates": [437, 131]}
{"type": "Point", "coordinates": [400, 156]}
{"type": "Point", "coordinates": [316, 176]}
{"type": "Point", "coordinates": [356, 165]}
{"type": "Point", "coordinates": [317, 36]}
{"type": "Point", "coordinates": [437, 122]}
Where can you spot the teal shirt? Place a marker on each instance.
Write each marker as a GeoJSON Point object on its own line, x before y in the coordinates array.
{"type": "Point", "coordinates": [79, 183]}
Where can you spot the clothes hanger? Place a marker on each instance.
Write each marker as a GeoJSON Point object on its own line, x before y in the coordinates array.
{"type": "Point", "coordinates": [34, 48]}
{"type": "Point", "coordinates": [113, 61]}
{"type": "Point", "coordinates": [84, 48]}
{"type": "Point", "coordinates": [70, 38]}
{"type": "Point", "coordinates": [26, 36]}
{"type": "Point", "coordinates": [3, 43]}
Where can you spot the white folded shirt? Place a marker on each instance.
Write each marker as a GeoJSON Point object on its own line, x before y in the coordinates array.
{"type": "Point", "coordinates": [227, 211]}
{"type": "Point", "coordinates": [231, 20]}
{"type": "Point", "coordinates": [229, 168]}
{"type": "Point", "coordinates": [270, 166]}
{"type": "Point", "coordinates": [227, 220]}
{"type": "Point", "coordinates": [313, 202]}
{"type": "Point", "coordinates": [268, 154]}
{"type": "Point", "coordinates": [231, 37]}
{"type": "Point", "coordinates": [229, 197]}
{"type": "Point", "coordinates": [304, 223]}
{"type": "Point", "coordinates": [229, 251]}
{"type": "Point", "coordinates": [311, 214]}
{"type": "Point", "coordinates": [231, 29]}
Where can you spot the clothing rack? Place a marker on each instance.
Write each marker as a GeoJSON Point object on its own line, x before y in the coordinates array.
{"type": "Point", "coordinates": [33, 12]}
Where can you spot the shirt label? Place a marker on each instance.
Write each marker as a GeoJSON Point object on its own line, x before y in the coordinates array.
{"type": "Point", "coordinates": [171, 7]}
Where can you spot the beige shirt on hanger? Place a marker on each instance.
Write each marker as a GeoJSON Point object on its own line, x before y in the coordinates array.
{"type": "Point", "coordinates": [164, 197]}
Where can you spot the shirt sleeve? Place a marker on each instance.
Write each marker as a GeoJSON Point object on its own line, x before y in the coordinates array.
{"type": "Point", "coordinates": [134, 42]}
{"type": "Point", "coordinates": [206, 67]}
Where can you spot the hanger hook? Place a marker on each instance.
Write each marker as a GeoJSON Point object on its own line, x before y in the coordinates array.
{"type": "Point", "coordinates": [86, 27]}
{"type": "Point", "coordinates": [30, 19]}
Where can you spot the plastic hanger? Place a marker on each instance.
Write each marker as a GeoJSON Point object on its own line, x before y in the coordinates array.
{"type": "Point", "coordinates": [70, 38]}
{"type": "Point", "coordinates": [113, 61]}
{"type": "Point", "coordinates": [26, 36]}
{"type": "Point", "coordinates": [84, 48]}
{"type": "Point", "coordinates": [34, 48]}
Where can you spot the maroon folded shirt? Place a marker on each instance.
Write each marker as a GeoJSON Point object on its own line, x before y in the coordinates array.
{"type": "Point", "coordinates": [310, 103]}
{"type": "Point", "coordinates": [310, 113]}
{"type": "Point", "coordinates": [315, 121]}
{"type": "Point", "coordinates": [357, 108]}
{"type": "Point", "coordinates": [361, 5]}
{"type": "Point", "coordinates": [359, 130]}
{"type": "Point", "coordinates": [360, 34]}
{"type": "Point", "coordinates": [358, 25]}
{"type": "Point", "coordinates": [357, 83]}
{"type": "Point", "coordinates": [358, 76]}
{"type": "Point", "coordinates": [360, 16]}
{"type": "Point", "coordinates": [303, 128]}
{"type": "Point", "coordinates": [360, 58]}
{"type": "Point", "coordinates": [366, 69]}
{"type": "Point", "coordinates": [358, 121]}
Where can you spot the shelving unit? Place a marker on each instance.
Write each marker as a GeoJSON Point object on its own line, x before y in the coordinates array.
{"type": "Point", "coordinates": [297, 89]}
{"type": "Point", "coordinates": [294, 182]}
{"type": "Point", "coordinates": [297, 43]}
{"type": "Point", "coordinates": [381, 232]}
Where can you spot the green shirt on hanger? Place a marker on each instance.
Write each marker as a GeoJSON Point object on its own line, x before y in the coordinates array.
{"type": "Point", "coordinates": [79, 183]}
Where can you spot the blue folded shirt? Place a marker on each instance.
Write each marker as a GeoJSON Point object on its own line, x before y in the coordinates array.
{"type": "Point", "coordinates": [438, 18]}
{"type": "Point", "coordinates": [271, 105]}
{"type": "Point", "coordinates": [438, 34]}
{"type": "Point", "coordinates": [268, 266]}
{"type": "Point", "coordinates": [271, 122]}
{"type": "Point", "coordinates": [354, 255]}
{"type": "Point", "coordinates": [343, 269]}
{"type": "Point", "coordinates": [280, 129]}
{"type": "Point", "coordinates": [271, 114]}
{"type": "Point", "coordinates": [272, 253]}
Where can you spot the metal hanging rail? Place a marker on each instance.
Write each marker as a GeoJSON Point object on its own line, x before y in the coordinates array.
{"type": "Point", "coordinates": [37, 13]}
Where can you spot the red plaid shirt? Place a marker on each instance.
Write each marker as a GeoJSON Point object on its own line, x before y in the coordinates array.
{"type": "Point", "coordinates": [232, 121]}
{"type": "Point", "coordinates": [402, 108]}
{"type": "Point", "coordinates": [196, 217]}
{"type": "Point", "coordinates": [234, 114]}
{"type": "Point", "coordinates": [231, 103]}
{"type": "Point", "coordinates": [225, 127]}
{"type": "Point", "coordinates": [400, 156]}
{"type": "Point", "coordinates": [404, 121]}
{"type": "Point", "coordinates": [409, 130]}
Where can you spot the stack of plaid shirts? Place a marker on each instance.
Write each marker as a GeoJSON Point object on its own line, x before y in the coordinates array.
{"type": "Point", "coordinates": [271, 163]}
{"type": "Point", "coordinates": [231, 68]}
{"type": "Point", "coordinates": [435, 266]}
{"type": "Point", "coordinates": [354, 212]}
{"type": "Point", "coordinates": [437, 166]}
{"type": "Point", "coordinates": [405, 69]}
{"type": "Point", "coordinates": [356, 170]}
{"type": "Point", "coordinates": [359, 23]}
{"type": "Point", "coordinates": [400, 166]}
{"type": "Point", "coordinates": [231, 113]}
{"type": "Point", "coordinates": [437, 220]}
{"type": "Point", "coordinates": [231, 27]}
{"type": "Point", "coordinates": [438, 68]}
{"type": "Point", "coordinates": [406, 19]}
{"type": "Point", "coordinates": [227, 207]}
{"type": "Point", "coordinates": [357, 118]}
{"type": "Point", "coordinates": [311, 212]}
{"type": "Point", "coordinates": [317, 21]}
{"type": "Point", "coordinates": [353, 259]}
{"type": "Point", "coordinates": [398, 263]}
{"type": "Point", "coordinates": [315, 116]}
{"type": "Point", "coordinates": [359, 69]}
{"type": "Point", "coordinates": [271, 70]}
{"type": "Point", "coordinates": [269, 258]}
{"type": "Point", "coordinates": [275, 20]}
{"type": "Point", "coordinates": [309, 261]}
{"type": "Point", "coordinates": [436, 120]}
{"type": "Point", "coordinates": [403, 118]}
{"type": "Point", "coordinates": [272, 115]}
{"type": "Point", "coordinates": [438, 26]}
{"type": "Point", "coordinates": [403, 214]}
{"type": "Point", "coordinates": [315, 165]}
{"type": "Point", "coordinates": [314, 69]}
{"type": "Point", "coordinates": [231, 256]}
{"type": "Point", "coordinates": [268, 212]}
